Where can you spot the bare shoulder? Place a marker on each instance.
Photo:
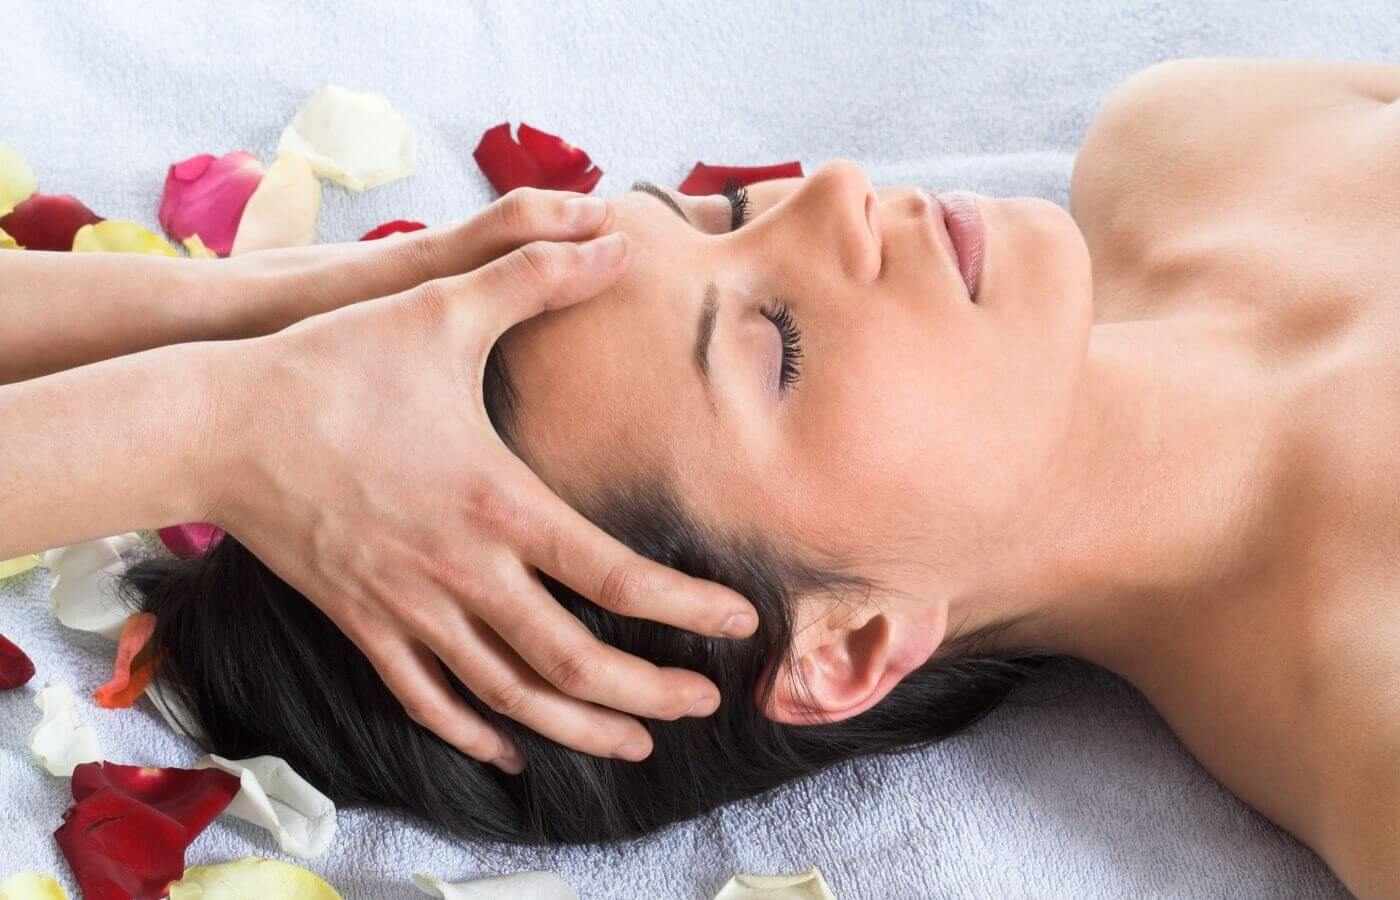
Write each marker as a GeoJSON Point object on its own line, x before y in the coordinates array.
{"type": "Point", "coordinates": [1191, 136]}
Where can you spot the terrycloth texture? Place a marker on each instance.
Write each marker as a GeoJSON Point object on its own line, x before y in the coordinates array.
{"type": "Point", "coordinates": [1087, 795]}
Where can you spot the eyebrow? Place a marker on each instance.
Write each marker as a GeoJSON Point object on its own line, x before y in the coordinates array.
{"type": "Point", "coordinates": [646, 187]}
{"type": "Point", "coordinates": [709, 308]}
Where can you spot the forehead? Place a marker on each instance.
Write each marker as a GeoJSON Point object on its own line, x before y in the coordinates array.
{"type": "Point", "coordinates": [602, 385]}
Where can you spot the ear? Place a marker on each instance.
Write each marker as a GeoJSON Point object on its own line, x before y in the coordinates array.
{"type": "Point", "coordinates": [846, 662]}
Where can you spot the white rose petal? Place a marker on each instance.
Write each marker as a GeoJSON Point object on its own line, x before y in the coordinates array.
{"type": "Point", "coordinates": [355, 139]}
{"type": "Point", "coordinates": [60, 741]}
{"type": "Point", "coordinates": [283, 210]}
{"type": "Point", "coordinates": [173, 711]}
{"type": "Point", "coordinates": [808, 885]}
{"type": "Point", "coordinates": [535, 885]}
{"type": "Point", "coordinates": [84, 594]}
{"type": "Point", "coordinates": [275, 797]}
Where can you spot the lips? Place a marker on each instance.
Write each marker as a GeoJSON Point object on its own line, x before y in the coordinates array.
{"type": "Point", "coordinates": [963, 218]}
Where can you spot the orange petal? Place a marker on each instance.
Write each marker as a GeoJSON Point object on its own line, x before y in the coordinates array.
{"type": "Point", "coordinates": [133, 669]}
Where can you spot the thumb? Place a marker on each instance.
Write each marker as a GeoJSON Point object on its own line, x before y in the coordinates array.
{"type": "Point", "coordinates": [541, 276]}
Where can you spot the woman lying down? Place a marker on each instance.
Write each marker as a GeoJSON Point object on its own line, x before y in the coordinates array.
{"type": "Point", "coordinates": [938, 440]}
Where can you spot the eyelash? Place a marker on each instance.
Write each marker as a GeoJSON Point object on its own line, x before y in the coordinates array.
{"type": "Point", "coordinates": [738, 197]}
{"type": "Point", "coordinates": [779, 313]}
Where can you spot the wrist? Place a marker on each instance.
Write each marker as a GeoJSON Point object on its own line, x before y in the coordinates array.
{"type": "Point", "coordinates": [224, 379]}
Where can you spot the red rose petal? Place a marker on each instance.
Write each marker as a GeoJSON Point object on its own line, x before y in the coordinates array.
{"type": "Point", "coordinates": [394, 227]}
{"type": "Point", "coordinates": [132, 670]}
{"type": "Point", "coordinates": [48, 221]}
{"type": "Point", "coordinates": [191, 539]}
{"type": "Point", "coordinates": [539, 160]}
{"type": "Point", "coordinates": [16, 667]}
{"type": "Point", "coordinates": [705, 179]}
{"type": "Point", "coordinates": [126, 833]}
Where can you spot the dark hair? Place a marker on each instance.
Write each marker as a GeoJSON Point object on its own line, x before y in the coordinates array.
{"type": "Point", "coordinates": [266, 672]}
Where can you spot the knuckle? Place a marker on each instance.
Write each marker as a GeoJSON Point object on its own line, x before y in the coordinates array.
{"type": "Point", "coordinates": [542, 262]}
{"type": "Point", "coordinates": [573, 673]}
{"type": "Point", "coordinates": [507, 697]}
{"type": "Point", "coordinates": [432, 297]}
{"type": "Point", "coordinates": [520, 210]}
{"type": "Point", "coordinates": [622, 589]}
{"type": "Point", "coordinates": [491, 508]}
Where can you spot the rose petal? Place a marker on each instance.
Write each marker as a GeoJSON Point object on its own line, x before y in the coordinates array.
{"type": "Point", "coordinates": [206, 196]}
{"type": "Point", "coordinates": [283, 210]}
{"type": "Point", "coordinates": [705, 179]}
{"type": "Point", "coordinates": [126, 833]}
{"type": "Point", "coordinates": [275, 797]}
{"type": "Point", "coordinates": [61, 741]}
{"type": "Point", "coordinates": [539, 160]}
{"type": "Point", "coordinates": [120, 236]}
{"type": "Point", "coordinates": [85, 593]}
{"type": "Point", "coordinates": [31, 886]}
{"type": "Point", "coordinates": [48, 221]}
{"type": "Point", "coordinates": [355, 139]}
{"type": "Point", "coordinates": [7, 242]}
{"type": "Point", "coordinates": [132, 670]}
{"type": "Point", "coordinates": [808, 885]}
{"type": "Point", "coordinates": [249, 877]}
{"type": "Point", "coordinates": [397, 226]}
{"type": "Point", "coordinates": [17, 180]}
{"type": "Point", "coordinates": [535, 885]}
{"type": "Point", "coordinates": [191, 539]}
{"type": "Point", "coordinates": [16, 668]}
{"type": "Point", "coordinates": [196, 249]}
{"type": "Point", "coordinates": [11, 567]}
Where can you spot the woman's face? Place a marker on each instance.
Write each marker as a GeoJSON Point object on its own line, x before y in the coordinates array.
{"type": "Point", "coordinates": [914, 420]}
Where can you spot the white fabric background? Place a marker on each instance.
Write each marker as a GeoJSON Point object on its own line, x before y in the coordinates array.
{"type": "Point", "coordinates": [1084, 795]}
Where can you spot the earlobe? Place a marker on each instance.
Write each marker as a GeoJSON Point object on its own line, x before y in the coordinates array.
{"type": "Point", "coordinates": [848, 670]}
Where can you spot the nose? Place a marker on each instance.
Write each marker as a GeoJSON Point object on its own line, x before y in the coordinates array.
{"type": "Point", "coordinates": [842, 213]}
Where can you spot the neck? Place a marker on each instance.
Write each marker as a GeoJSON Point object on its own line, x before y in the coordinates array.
{"type": "Point", "coordinates": [1156, 510]}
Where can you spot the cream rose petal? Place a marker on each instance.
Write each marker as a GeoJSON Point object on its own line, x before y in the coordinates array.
{"type": "Point", "coordinates": [265, 879]}
{"type": "Point", "coordinates": [275, 797]}
{"type": "Point", "coordinates": [120, 236]}
{"type": "Point", "coordinates": [808, 885]}
{"type": "Point", "coordinates": [7, 242]}
{"type": "Point", "coordinates": [84, 594]}
{"type": "Point", "coordinates": [31, 886]}
{"type": "Point", "coordinates": [60, 741]}
{"type": "Point", "coordinates": [535, 885]}
{"type": "Point", "coordinates": [283, 210]}
{"type": "Point", "coordinates": [12, 567]}
{"type": "Point", "coordinates": [355, 139]}
{"type": "Point", "coordinates": [17, 180]}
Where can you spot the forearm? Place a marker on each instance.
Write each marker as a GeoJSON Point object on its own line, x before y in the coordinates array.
{"type": "Point", "coordinates": [106, 448]}
{"type": "Point", "coordinates": [61, 310]}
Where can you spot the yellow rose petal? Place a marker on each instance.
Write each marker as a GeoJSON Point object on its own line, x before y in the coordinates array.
{"type": "Point", "coordinates": [17, 180]}
{"type": "Point", "coordinates": [266, 879]}
{"type": "Point", "coordinates": [7, 242]}
{"type": "Point", "coordinates": [119, 236]}
{"type": "Point", "coordinates": [196, 249]}
{"type": "Point", "coordinates": [31, 886]}
{"type": "Point", "coordinates": [11, 567]}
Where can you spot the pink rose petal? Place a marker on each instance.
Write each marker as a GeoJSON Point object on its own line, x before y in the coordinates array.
{"type": "Point", "coordinates": [191, 539]}
{"type": "Point", "coordinates": [206, 195]}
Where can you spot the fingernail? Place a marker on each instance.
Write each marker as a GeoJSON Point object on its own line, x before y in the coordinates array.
{"type": "Point", "coordinates": [604, 252]}
{"type": "Point", "coordinates": [636, 751]}
{"type": "Point", "coordinates": [585, 212]}
{"type": "Point", "coordinates": [704, 706]}
{"type": "Point", "coordinates": [511, 762]}
{"type": "Point", "coordinates": [740, 625]}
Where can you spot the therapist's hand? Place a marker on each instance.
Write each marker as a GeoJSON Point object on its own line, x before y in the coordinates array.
{"type": "Point", "coordinates": [353, 455]}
